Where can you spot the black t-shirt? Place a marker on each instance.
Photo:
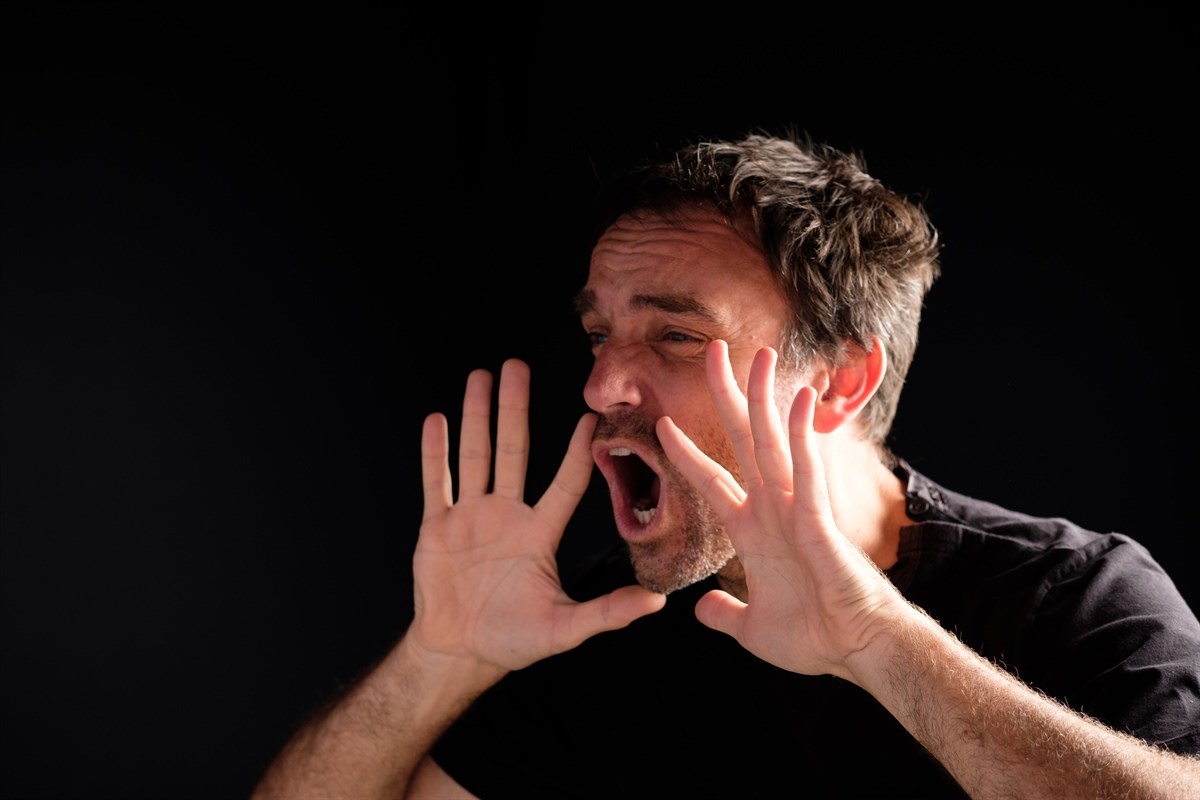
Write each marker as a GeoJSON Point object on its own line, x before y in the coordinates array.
{"type": "Point", "coordinates": [667, 708]}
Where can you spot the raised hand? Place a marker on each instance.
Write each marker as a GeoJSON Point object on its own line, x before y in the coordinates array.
{"type": "Point", "coordinates": [486, 579]}
{"type": "Point", "coordinates": [814, 598]}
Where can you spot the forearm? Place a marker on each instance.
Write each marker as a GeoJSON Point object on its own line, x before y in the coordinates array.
{"type": "Point", "coordinates": [368, 743]}
{"type": "Point", "coordinates": [1001, 739]}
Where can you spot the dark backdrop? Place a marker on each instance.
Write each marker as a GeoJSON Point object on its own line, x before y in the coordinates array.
{"type": "Point", "coordinates": [244, 252]}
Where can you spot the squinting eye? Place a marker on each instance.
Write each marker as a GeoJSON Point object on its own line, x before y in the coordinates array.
{"type": "Point", "coordinates": [676, 336]}
{"type": "Point", "coordinates": [595, 339]}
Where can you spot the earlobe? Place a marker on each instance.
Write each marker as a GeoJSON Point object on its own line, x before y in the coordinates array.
{"type": "Point", "coordinates": [849, 386]}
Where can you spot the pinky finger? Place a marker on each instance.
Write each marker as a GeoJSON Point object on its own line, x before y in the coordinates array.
{"type": "Point", "coordinates": [435, 466]}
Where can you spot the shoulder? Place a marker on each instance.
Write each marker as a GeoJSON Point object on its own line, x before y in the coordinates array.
{"type": "Point", "coordinates": [949, 523]}
{"type": "Point", "coordinates": [979, 564]}
{"type": "Point", "coordinates": [1088, 617]}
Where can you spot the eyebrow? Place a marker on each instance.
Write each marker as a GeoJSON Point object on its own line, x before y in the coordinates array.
{"type": "Point", "coordinates": [685, 304]}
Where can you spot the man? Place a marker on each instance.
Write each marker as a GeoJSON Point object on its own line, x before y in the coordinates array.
{"type": "Point", "coordinates": [794, 608]}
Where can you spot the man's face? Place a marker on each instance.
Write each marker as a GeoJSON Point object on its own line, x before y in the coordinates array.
{"type": "Point", "coordinates": [657, 293]}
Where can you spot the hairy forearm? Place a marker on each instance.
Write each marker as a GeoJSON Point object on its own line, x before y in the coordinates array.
{"type": "Point", "coordinates": [369, 742]}
{"type": "Point", "coordinates": [1001, 739]}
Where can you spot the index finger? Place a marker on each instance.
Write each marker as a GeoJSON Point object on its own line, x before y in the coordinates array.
{"type": "Point", "coordinates": [732, 408]}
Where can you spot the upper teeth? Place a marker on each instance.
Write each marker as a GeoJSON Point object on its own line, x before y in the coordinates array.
{"type": "Point", "coordinates": [620, 451]}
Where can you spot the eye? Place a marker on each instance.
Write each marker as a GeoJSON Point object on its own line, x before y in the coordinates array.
{"type": "Point", "coordinates": [681, 344]}
{"type": "Point", "coordinates": [596, 338]}
{"type": "Point", "coordinates": [679, 336]}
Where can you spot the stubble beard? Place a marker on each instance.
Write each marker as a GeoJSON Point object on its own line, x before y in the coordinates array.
{"type": "Point", "coordinates": [696, 546]}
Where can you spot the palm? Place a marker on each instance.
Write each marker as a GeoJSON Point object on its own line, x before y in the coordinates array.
{"type": "Point", "coordinates": [485, 570]}
{"type": "Point", "coordinates": [799, 583]}
{"type": "Point", "coordinates": [804, 577]}
{"type": "Point", "coordinates": [489, 564]}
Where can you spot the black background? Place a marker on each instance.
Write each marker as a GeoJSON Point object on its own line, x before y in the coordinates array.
{"type": "Point", "coordinates": [245, 252]}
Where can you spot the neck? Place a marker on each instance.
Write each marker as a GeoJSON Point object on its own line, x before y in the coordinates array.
{"type": "Point", "coordinates": [868, 500]}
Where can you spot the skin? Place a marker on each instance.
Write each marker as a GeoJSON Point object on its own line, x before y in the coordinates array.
{"type": "Point", "coordinates": [656, 295]}
{"type": "Point", "coordinates": [778, 474]}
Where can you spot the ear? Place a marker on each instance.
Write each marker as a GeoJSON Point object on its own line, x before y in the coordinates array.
{"type": "Point", "coordinates": [846, 388]}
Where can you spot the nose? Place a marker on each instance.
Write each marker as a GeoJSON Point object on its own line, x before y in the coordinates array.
{"type": "Point", "coordinates": [615, 382]}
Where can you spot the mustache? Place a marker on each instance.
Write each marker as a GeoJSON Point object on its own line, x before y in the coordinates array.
{"type": "Point", "coordinates": [629, 425]}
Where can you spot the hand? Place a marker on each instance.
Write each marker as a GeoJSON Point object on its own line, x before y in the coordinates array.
{"type": "Point", "coordinates": [814, 597]}
{"type": "Point", "coordinates": [486, 579]}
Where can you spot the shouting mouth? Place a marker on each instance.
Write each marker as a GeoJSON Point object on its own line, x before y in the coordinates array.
{"type": "Point", "coordinates": [630, 459]}
{"type": "Point", "coordinates": [640, 484]}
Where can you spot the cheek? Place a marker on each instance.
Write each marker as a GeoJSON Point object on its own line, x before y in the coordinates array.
{"type": "Point", "coordinates": [679, 390]}
{"type": "Point", "coordinates": [706, 430]}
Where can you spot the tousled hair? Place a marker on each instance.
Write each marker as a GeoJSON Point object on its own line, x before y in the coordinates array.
{"type": "Point", "coordinates": [854, 258]}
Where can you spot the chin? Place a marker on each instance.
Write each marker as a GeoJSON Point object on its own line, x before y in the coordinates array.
{"type": "Point", "coordinates": [664, 569]}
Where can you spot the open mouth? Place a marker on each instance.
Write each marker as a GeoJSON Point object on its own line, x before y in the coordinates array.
{"type": "Point", "coordinates": [640, 485]}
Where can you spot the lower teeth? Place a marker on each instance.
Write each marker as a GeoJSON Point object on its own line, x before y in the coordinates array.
{"type": "Point", "coordinates": [644, 515]}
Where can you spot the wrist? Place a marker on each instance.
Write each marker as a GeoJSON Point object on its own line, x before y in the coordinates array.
{"type": "Point", "coordinates": [440, 676]}
{"type": "Point", "coordinates": [899, 632]}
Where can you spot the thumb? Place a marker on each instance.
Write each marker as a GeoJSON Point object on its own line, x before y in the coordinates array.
{"type": "Point", "coordinates": [611, 611]}
{"type": "Point", "coordinates": [721, 611]}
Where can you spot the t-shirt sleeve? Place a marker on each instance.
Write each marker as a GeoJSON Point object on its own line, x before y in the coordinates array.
{"type": "Point", "coordinates": [1126, 645]}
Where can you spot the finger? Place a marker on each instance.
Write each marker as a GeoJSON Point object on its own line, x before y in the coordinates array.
{"type": "Point", "coordinates": [512, 430]}
{"type": "Point", "coordinates": [808, 472]}
{"type": "Point", "coordinates": [770, 446]}
{"type": "Point", "coordinates": [607, 613]}
{"type": "Point", "coordinates": [731, 408]}
{"type": "Point", "coordinates": [711, 479]}
{"type": "Point", "coordinates": [721, 611]}
{"type": "Point", "coordinates": [475, 447]}
{"type": "Point", "coordinates": [573, 476]}
{"type": "Point", "coordinates": [435, 466]}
